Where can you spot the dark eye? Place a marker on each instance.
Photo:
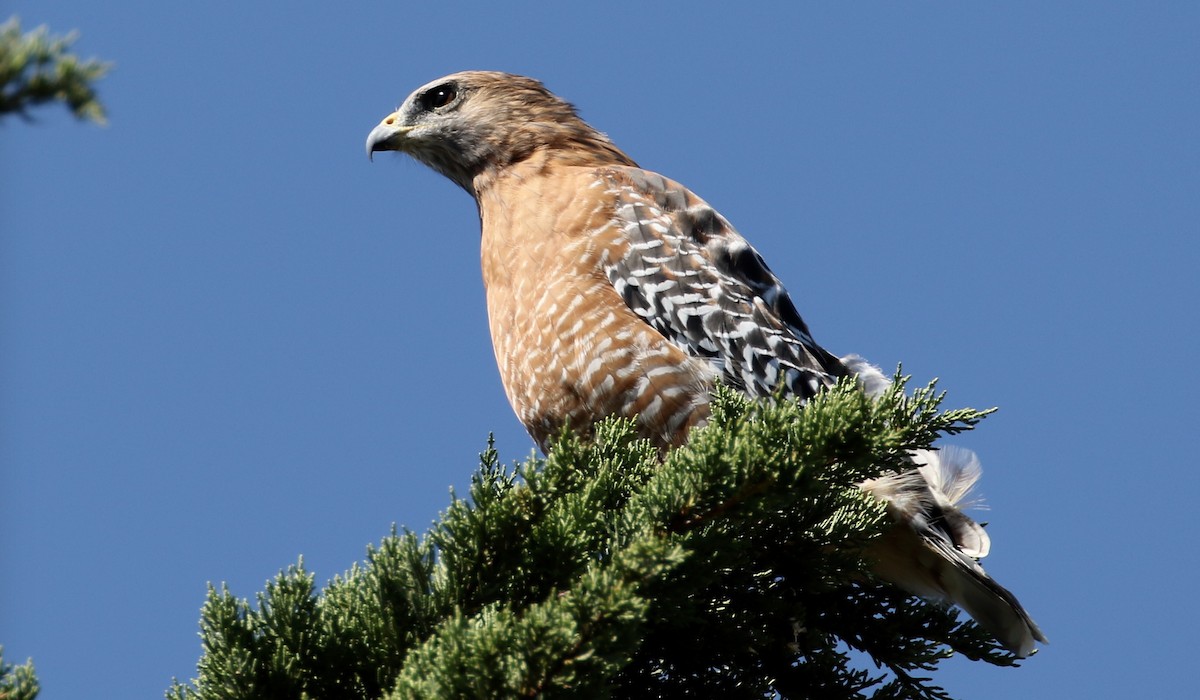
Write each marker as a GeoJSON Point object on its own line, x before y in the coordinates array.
{"type": "Point", "coordinates": [438, 97]}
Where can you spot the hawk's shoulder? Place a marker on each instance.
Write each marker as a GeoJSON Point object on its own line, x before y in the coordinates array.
{"type": "Point", "coordinates": [687, 272]}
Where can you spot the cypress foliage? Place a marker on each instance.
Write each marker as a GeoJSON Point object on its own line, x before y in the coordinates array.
{"type": "Point", "coordinates": [17, 682]}
{"type": "Point", "coordinates": [37, 67]}
{"type": "Point", "coordinates": [726, 568]}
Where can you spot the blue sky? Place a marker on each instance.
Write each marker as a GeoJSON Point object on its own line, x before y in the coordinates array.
{"type": "Point", "coordinates": [227, 340]}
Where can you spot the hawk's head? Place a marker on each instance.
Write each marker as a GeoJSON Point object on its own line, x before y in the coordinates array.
{"type": "Point", "coordinates": [479, 122]}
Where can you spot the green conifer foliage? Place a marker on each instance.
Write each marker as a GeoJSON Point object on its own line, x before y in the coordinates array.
{"type": "Point", "coordinates": [17, 682]}
{"type": "Point", "coordinates": [37, 67]}
{"type": "Point", "coordinates": [729, 567]}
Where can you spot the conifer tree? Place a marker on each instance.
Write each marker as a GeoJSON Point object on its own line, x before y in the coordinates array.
{"type": "Point", "coordinates": [729, 567]}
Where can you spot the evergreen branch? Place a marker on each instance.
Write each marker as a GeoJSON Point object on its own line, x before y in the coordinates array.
{"type": "Point", "coordinates": [17, 682]}
{"type": "Point", "coordinates": [37, 67]}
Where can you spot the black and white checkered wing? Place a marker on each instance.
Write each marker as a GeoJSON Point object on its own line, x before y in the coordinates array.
{"type": "Point", "coordinates": [689, 274]}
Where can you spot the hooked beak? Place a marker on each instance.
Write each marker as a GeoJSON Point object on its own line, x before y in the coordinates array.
{"type": "Point", "coordinates": [388, 136]}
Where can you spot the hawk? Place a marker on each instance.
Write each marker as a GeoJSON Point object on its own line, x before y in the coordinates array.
{"type": "Point", "coordinates": [612, 290]}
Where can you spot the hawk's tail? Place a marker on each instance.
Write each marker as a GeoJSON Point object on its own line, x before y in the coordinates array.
{"type": "Point", "coordinates": [933, 548]}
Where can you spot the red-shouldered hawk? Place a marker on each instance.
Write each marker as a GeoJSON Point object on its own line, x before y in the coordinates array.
{"type": "Point", "coordinates": [612, 290]}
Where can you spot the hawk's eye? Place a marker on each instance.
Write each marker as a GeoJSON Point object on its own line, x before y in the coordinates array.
{"type": "Point", "coordinates": [438, 97]}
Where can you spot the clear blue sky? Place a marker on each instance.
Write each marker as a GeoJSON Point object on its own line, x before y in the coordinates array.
{"type": "Point", "coordinates": [228, 340]}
